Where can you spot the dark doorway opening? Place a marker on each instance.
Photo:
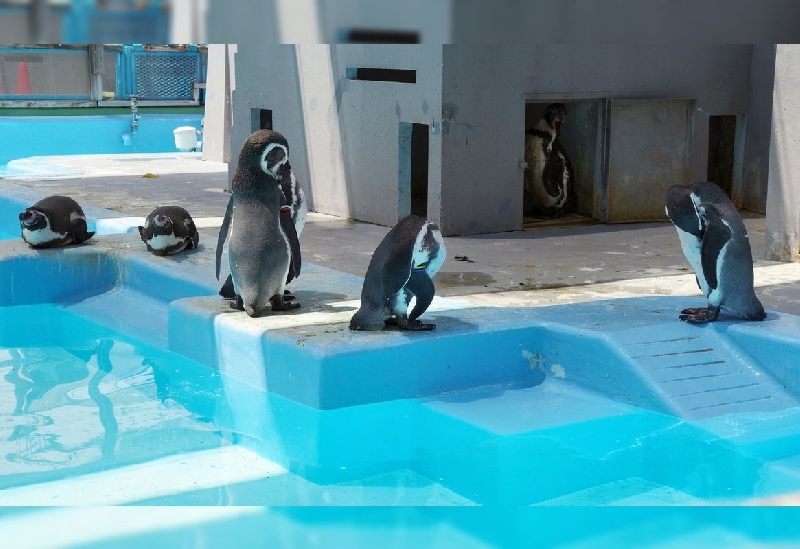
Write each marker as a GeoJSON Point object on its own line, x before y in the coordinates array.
{"type": "Point", "coordinates": [580, 138]}
{"type": "Point", "coordinates": [413, 148]}
{"type": "Point", "coordinates": [419, 169]}
{"type": "Point", "coordinates": [260, 119]}
{"type": "Point", "coordinates": [722, 151]}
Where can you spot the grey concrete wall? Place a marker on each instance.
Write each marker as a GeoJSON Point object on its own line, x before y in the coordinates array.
{"type": "Point", "coordinates": [343, 134]}
{"type": "Point", "coordinates": [431, 20]}
{"type": "Point", "coordinates": [758, 133]}
{"type": "Point", "coordinates": [266, 77]}
{"type": "Point", "coordinates": [783, 199]}
{"type": "Point", "coordinates": [484, 109]}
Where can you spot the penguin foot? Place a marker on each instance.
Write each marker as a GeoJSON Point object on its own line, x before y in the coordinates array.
{"type": "Point", "coordinates": [699, 315]}
{"type": "Point", "coordinates": [281, 303]}
{"type": "Point", "coordinates": [410, 325]}
{"type": "Point", "coordinates": [288, 296]}
{"type": "Point", "coordinates": [237, 303]}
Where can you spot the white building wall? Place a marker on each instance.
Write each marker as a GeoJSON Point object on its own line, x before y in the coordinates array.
{"type": "Point", "coordinates": [783, 196]}
{"type": "Point", "coordinates": [343, 134]}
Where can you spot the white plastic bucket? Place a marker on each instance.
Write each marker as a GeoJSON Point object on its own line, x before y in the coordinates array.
{"type": "Point", "coordinates": [185, 138]}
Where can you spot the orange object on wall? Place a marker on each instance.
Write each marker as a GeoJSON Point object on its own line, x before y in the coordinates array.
{"type": "Point", "coordinates": [23, 80]}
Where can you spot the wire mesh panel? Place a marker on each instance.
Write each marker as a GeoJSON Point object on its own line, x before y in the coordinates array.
{"type": "Point", "coordinates": [163, 75]}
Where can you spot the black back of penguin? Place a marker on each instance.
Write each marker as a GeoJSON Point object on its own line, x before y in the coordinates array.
{"type": "Point", "coordinates": [729, 254]}
{"type": "Point", "coordinates": [391, 273]}
{"type": "Point", "coordinates": [715, 242]}
{"type": "Point", "coordinates": [169, 230]}
{"type": "Point", "coordinates": [259, 251]}
{"type": "Point", "coordinates": [247, 179]}
{"type": "Point", "coordinates": [54, 221]}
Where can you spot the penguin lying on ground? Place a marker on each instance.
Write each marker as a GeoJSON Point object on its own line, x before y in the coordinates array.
{"type": "Point", "coordinates": [402, 267]}
{"type": "Point", "coordinates": [54, 221]}
{"type": "Point", "coordinates": [715, 242]}
{"type": "Point", "coordinates": [169, 230]}
{"type": "Point", "coordinates": [263, 241]}
{"type": "Point", "coordinates": [549, 183]}
{"type": "Point", "coordinates": [294, 209]}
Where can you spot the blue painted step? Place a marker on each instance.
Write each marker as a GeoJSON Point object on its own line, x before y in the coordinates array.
{"type": "Point", "coordinates": [700, 373]}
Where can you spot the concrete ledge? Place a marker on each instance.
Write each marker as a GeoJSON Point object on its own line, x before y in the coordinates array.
{"type": "Point", "coordinates": [313, 358]}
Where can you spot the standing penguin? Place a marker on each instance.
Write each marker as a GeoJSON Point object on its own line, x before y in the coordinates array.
{"type": "Point", "coordinates": [262, 247]}
{"type": "Point", "coordinates": [54, 221]}
{"type": "Point", "coordinates": [294, 210]}
{"type": "Point", "coordinates": [549, 189]}
{"type": "Point", "coordinates": [169, 230]}
{"type": "Point", "coordinates": [402, 266]}
{"type": "Point", "coordinates": [715, 242]}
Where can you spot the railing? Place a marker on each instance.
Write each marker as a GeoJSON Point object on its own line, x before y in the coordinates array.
{"type": "Point", "coordinates": [95, 75]}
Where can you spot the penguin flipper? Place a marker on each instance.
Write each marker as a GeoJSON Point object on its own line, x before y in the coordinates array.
{"type": "Point", "coordinates": [287, 226]}
{"type": "Point", "coordinates": [397, 268]}
{"type": "Point", "coordinates": [223, 232]}
{"type": "Point", "coordinates": [715, 236]}
{"type": "Point", "coordinates": [80, 232]}
{"type": "Point", "coordinates": [421, 285]}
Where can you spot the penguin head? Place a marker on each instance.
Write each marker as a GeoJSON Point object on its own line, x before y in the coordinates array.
{"type": "Point", "coordinates": [266, 151]}
{"type": "Point", "coordinates": [685, 209]}
{"type": "Point", "coordinates": [554, 115]}
{"type": "Point", "coordinates": [33, 219]}
{"type": "Point", "coordinates": [162, 224]}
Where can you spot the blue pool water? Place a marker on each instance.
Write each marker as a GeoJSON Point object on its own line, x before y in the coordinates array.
{"type": "Point", "coordinates": [25, 136]}
{"type": "Point", "coordinates": [80, 398]}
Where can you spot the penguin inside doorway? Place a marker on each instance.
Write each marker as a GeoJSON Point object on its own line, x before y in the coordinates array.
{"type": "Point", "coordinates": [549, 188]}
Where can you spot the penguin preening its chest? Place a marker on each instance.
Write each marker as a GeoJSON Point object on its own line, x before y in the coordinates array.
{"type": "Point", "coordinates": [263, 245]}
{"type": "Point", "coordinates": [402, 267]}
{"type": "Point", "coordinates": [54, 221]}
{"type": "Point", "coordinates": [715, 242]}
{"type": "Point", "coordinates": [549, 183]}
{"type": "Point", "coordinates": [169, 230]}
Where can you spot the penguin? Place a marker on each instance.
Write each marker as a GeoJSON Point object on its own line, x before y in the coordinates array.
{"type": "Point", "coordinates": [715, 242]}
{"type": "Point", "coordinates": [54, 221]}
{"type": "Point", "coordinates": [549, 189]}
{"type": "Point", "coordinates": [169, 230]}
{"type": "Point", "coordinates": [403, 265]}
{"type": "Point", "coordinates": [263, 242]}
{"type": "Point", "coordinates": [293, 202]}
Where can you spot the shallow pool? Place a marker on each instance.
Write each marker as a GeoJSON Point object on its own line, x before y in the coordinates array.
{"type": "Point", "coordinates": [25, 136]}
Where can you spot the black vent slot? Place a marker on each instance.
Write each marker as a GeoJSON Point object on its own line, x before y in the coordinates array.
{"type": "Point", "coordinates": [403, 76]}
{"type": "Point", "coordinates": [376, 36]}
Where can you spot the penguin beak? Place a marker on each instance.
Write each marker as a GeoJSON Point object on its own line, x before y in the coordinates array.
{"type": "Point", "coordinates": [28, 217]}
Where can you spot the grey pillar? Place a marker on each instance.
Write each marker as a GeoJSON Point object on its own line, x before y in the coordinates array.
{"type": "Point", "coordinates": [783, 192]}
{"type": "Point", "coordinates": [217, 128]}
